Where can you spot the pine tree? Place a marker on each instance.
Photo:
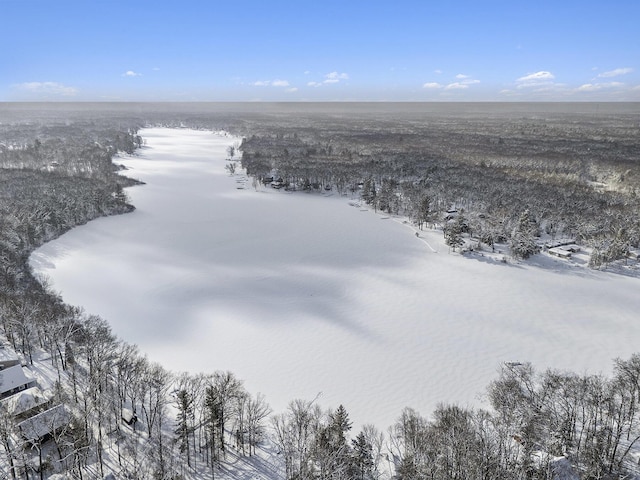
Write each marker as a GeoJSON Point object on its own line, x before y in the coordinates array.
{"type": "Point", "coordinates": [387, 199]}
{"type": "Point", "coordinates": [619, 246]}
{"type": "Point", "coordinates": [362, 458]}
{"type": "Point", "coordinates": [333, 454]}
{"type": "Point", "coordinates": [453, 231]}
{"type": "Point", "coordinates": [523, 243]}
{"type": "Point", "coordinates": [212, 420]}
{"type": "Point", "coordinates": [369, 193]}
{"type": "Point", "coordinates": [184, 403]}
{"type": "Point", "coordinates": [423, 213]}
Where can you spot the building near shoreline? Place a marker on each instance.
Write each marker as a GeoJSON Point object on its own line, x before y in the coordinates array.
{"type": "Point", "coordinates": [8, 358]}
{"type": "Point", "coordinates": [14, 380]}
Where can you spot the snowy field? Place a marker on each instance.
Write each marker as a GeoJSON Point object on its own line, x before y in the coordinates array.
{"type": "Point", "coordinates": [299, 294]}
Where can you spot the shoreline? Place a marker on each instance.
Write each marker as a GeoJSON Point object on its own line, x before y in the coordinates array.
{"type": "Point", "coordinates": [328, 276]}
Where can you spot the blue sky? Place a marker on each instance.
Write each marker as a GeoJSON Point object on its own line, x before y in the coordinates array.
{"type": "Point", "coordinates": [249, 50]}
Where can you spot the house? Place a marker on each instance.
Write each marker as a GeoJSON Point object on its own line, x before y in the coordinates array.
{"type": "Point", "coordinates": [13, 380]}
{"type": "Point", "coordinates": [450, 214]}
{"type": "Point", "coordinates": [26, 403]}
{"type": "Point", "coordinates": [42, 426]}
{"type": "Point", "coordinates": [561, 243]}
{"type": "Point", "coordinates": [129, 417]}
{"type": "Point", "coordinates": [559, 252]}
{"type": "Point", "coordinates": [8, 358]}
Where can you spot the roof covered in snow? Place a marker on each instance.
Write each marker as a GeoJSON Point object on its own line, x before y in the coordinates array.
{"type": "Point", "coordinates": [12, 377]}
{"type": "Point", "coordinates": [8, 357]}
{"type": "Point", "coordinates": [24, 401]}
{"type": "Point", "coordinates": [44, 423]}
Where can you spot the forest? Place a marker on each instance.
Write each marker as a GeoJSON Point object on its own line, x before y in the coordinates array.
{"type": "Point", "coordinates": [511, 171]}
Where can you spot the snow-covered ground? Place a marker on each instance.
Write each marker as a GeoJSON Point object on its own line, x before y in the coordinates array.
{"type": "Point", "coordinates": [299, 294]}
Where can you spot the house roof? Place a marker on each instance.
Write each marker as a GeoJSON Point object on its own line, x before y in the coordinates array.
{"type": "Point", "coordinates": [24, 401]}
{"type": "Point", "coordinates": [8, 356]}
{"type": "Point", "coordinates": [560, 252]}
{"type": "Point", "coordinates": [12, 377]}
{"type": "Point", "coordinates": [49, 421]}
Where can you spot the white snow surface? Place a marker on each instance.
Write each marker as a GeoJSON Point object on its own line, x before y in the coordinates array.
{"type": "Point", "coordinates": [300, 293]}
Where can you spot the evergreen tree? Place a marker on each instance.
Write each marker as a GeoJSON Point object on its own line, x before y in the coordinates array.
{"type": "Point", "coordinates": [453, 231]}
{"type": "Point", "coordinates": [423, 213]}
{"type": "Point", "coordinates": [369, 193]}
{"type": "Point", "coordinates": [333, 454]}
{"type": "Point", "coordinates": [619, 246]}
{"type": "Point", "coordinates": [362, 466]}
{"type": "Point", "coordinates": [387, 199]}
{"type": "Point", "coordinates": [212, 421]}
{"type": "Point", "coordinates": [523, 242]}
{"type": "Point", "coordinates": [340, 424]}
{"type": "Point", "coordinates": [184, 404]}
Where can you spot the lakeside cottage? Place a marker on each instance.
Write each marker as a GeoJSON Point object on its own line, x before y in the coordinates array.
{"type": "Point", "coordinates": [14, 380]}
{"type": "Point", "coordinates": [43, 426]}
{"type": "Point", "coordinates": [8, 358]}
{"type": "Point", "coordinates": [26, 403]}
{"type": "Point", "coordinates": [559, 252]}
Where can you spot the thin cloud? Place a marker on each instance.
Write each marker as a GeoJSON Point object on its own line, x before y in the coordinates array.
{"type": "Point", "coordinates": [456, 86]}
{"type": "Point", "coordinates": [271, 83]}
{"type": "Point", "coordinates": [589, 87]}
{"type": "Point", "coordinates": [593, 87]}
{"type": "Point", "coordinates": [329, 79]}
{"type": "Point", "coordinates": [536, 80]}
{"type": "Point", "coordinates": [432, 85]}
{"type": "Point", "coordinates": [335, 77]}
{"type": "Point", "coordinates": [615, 73]}
{"type": "Point", "coordinates": [131, 73]}
{"type": "Point", "coordinates": [464, 83]}
{"type": "Point", "coordinates": [47, 89]}
{"type": "Point", "coordinates": [536, 77]}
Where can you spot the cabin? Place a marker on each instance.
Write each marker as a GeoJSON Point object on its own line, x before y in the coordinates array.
{"type": "Point", "coordinates": [129, 417]}
{"type": "Point", "coordinates": [26, 403]}
{"type": "Point", "coordinates": [43, 426]}
{"type": "Point", "coordinates": [559, 252]}
{"type": "Point", "coordinates": [450, 214]}
{"type": "Point", "coordinates": [634, 254]}
{"type": "Point", "coordinates": [8, 358]}
{"type": "Point", "coordinates": [13, 380]}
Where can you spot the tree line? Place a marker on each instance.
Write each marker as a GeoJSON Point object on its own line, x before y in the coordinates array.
{"type": "Point", "coordinates": [506, 182]}
{"type": "Point", "coordinates": [571, 182]}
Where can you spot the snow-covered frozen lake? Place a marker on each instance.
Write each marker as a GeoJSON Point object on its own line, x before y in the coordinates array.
{"type": "Point", "coordinates": [299, 294]}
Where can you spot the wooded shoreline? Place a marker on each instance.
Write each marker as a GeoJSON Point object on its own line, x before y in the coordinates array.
{"type": "Point", "coordinates": [57, 179]}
